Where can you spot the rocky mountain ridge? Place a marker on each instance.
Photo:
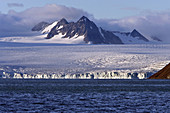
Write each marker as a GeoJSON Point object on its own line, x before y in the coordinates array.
{"type": "Point", "coordinates": [91, 33]}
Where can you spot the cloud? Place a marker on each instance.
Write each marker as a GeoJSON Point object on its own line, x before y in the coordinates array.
{"type": "Point", "coordinates": [15, 5]}
{"type": "Point", "coordinates": [49, 13]}
{"type": "Point", "coordinates": [148, 23]}
{"type": "Point", "coordinates": [22, 22]}
{"type": "Point", "coordinates": [155, 24]}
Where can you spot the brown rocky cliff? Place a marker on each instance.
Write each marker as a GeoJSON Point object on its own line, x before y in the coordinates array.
{"type": "Point", "coordinates": [162, 74]}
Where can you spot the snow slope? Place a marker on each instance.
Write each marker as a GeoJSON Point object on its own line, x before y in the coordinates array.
{"type": "Point", "coordinates": [73, 40]}
{"type": "Point", "coordinates": [48, 28]}
{"type": "Point", "coordinates": [41, 39]}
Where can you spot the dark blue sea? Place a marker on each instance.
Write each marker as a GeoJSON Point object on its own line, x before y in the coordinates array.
{"type": "Point", "coordinates": [42, 96]}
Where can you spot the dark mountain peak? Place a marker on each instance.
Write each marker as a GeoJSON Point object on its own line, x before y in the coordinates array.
{"type": "Point", "coordinates": [134, 30]}
{"type": "Point", "coordinates": [135, 33]}
{"type": "Point", "coordinates": [83, 19]}
{"type": "Point", "coordinates": [84, 27]}
{"type": "Point", "coordinates": [40, 26]}
{"type": "Point", "coordinates": [63, 21]}
{"type": "Point", "coordinates": [87, 24]}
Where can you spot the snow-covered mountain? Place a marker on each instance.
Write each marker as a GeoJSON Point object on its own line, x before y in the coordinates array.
{"type": "Point", "coordinates": [131, 37]}
{"type": "Point", "coordinates": [86, 31]}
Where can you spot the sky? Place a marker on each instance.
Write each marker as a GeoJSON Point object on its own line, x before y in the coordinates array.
{"type": "Point", "coordinates": [150, 17]}
{"type": "Point", "coordinates": [99, 8]}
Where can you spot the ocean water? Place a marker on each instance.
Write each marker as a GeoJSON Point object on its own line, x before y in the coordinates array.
{"type": "Point", "coordinates": [84, 96]}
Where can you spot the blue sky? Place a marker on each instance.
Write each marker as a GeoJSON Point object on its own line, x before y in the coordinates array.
{"type": "Point", "coordinates": [99, 8]}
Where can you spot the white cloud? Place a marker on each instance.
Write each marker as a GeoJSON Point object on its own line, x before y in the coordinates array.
{"type": "Point", "coordinates": [151, 24]}
{"type": "Point", "coordinates": [49, 13]}
{"type": "Point", "coordinates": [22, 22]}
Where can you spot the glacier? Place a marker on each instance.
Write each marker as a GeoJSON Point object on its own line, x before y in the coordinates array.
{"type": "Point", "coordinates": [81, 61]}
